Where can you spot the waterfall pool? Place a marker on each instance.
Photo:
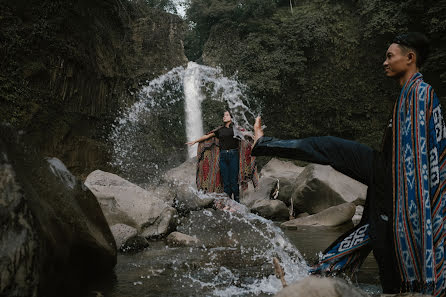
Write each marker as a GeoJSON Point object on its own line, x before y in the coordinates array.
{"type": "Point", "coordinates": [232, 264]}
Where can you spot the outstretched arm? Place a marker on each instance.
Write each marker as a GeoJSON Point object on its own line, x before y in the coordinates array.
{"type": "Point", "coordinates": [202, 138]}
{"type": "Point", "coordinates": [349, 157]}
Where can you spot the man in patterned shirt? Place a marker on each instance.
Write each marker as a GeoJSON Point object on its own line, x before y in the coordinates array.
{"type": "Point", "coordinates": [403, 219]}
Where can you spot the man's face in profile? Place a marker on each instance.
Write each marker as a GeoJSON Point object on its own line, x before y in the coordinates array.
{"type": "Point", "coordinates": [396, 63]}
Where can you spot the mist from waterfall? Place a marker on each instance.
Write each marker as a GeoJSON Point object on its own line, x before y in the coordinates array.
{"type": "Point", "coordinates": [149, 136]}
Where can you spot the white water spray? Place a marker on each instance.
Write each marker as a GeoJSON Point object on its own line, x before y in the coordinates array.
{"type": "Point", "coordinates": [148, 136]}
{"type": "Point", "coordinates": [192, 105]}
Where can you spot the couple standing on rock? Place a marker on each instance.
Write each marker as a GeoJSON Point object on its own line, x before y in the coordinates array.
{"type": "Point", "coordinates": [403, 219]}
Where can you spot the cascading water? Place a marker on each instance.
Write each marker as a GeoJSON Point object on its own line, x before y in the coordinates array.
{"type": "Point", "coordinates": [150, 136]}
{"type": "Point", "coordinates": [192, 105]}
{"type": "Point", "coordinates": [236, 251]}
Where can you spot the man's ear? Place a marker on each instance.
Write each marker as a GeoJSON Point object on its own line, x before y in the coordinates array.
{"type": "Point", "coordinates": [411, 57]}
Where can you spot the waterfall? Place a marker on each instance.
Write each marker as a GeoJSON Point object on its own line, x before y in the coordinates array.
{"type": "Point", "coordinates": [192, 105]}
{"type": "Point", "coordinates": [148, 137]}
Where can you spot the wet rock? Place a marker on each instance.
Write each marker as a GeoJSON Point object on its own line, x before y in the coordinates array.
{"type": "Point", "coordinates": [183, 174]}
{"type": "Point", "coordinates": [271, 209]}
{"type": "Point", "coordinates": [180, 239]}
{"type": "Point", "coordinates": [163, 225]}
{"type": "Point", "coordinates": [332, 216]}
{"type": "Point", "coordinates": [320, 287]}
{"type": "Point", "coordinates": [320, 186]}
{"type": "Point", "coordinates": [284, 171]}
{"type": "Point", "coordinates": [134, 244]}
{"type": "Point", "coordinates": [182, 181]}
{"type": "Point", "coordinates": [126, 203]}
{"type": "Point", "coordinates": [121, 233]}
{"type": "Point", "coordinates": [54, 235]}
{"type": "Point", "coordinates": [188, 199]}
{"type": "Point", "coordinates": [222, 202]}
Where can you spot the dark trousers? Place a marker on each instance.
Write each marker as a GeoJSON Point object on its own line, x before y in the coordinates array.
{"type": "Point", "coordinates": [356, 161]}
{"type": "Point", "coordinates": [229, 170]}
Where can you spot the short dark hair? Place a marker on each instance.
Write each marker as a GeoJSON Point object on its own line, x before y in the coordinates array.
{"type": "Point", "coordinates": [228, 111]}
{"type": "Point", "coordinates": [415, 41]}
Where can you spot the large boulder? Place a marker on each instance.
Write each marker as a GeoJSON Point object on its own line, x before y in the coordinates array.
{"type": "Point", "coordinates": [187, 198]}
{"type": "Point", "coordinates": [313, 286]}
{"type": "Point", "coordinates": [320, 186]}
{"type": "Point", "coordinates": [271, 209]}
{"type": "Point", "coordinates": [284, 171]}
{"type": "Point", "coordinates": [122, 233]}
{"type": "Point", "coordinates": [182, 180]}
{"type": "Point", "coordinates": [54, 235]}
{"type": "Point", "coordinates": [332, 216]}
{"type": "Point", "coordinates": [126, 203]}
{"type": "Point", "coordinates": [275, 171]}
{"type": "Point", "coordinates": [162, 225]}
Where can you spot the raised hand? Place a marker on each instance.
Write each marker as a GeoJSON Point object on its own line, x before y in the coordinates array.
{"type": "Point", "coordinates": [258, 131]}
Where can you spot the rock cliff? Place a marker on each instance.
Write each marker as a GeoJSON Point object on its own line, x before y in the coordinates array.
{"type": "Point", "coordinates": [67, 67]}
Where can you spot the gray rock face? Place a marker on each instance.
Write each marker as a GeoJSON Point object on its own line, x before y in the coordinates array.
{"type": "Point", "coordinates": [134, 244]}
{"type": "Point", "coordinates": [275, 169]}
{"type": "Point", "coordinates": [286, 172]}
{"type": "Point", "coordinates": [320, 187]}
{"type": "Point", "coordinates": [127, 203]}
{"type": "Point", "coordinates": [122, 233]}
{"type": "Point", "coordinates": [164, 223]}
{"type": "Point", "coordinates": [183, 174]}
{"type": "Point", "coordinates": [271, 209]}
{"type": "Point", "coordinates": [320, 287]}
{"type": "Point", "coordinates": [262, 192]}
{"type": "Point", "coordinates": [119, 46]}
{"type": "Point", "coordinates": [188, 199]}
{"type": "Point", "coordinates": [180, 239]}
{"type": "Point", "coordinates": [332, 216]}
{"type": "Point", "coordinates": [182, 181]}
{"type": "Point", "coordinates": [54, 234]}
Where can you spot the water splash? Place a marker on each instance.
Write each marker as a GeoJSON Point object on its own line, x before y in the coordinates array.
{"type": "Point", "coordinates": [149, 136]}
{"type": "Point", "coordinates": [252, 242]}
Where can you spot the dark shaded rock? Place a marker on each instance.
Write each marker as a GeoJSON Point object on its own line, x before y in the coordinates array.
{"type": "Point", "coordinates": [69, 67]}
{"type": "Point", "coordinates": [164, 223]}
{"type": "Point", "coordinates": [271, 209]}
{"type": "Point", "coordinates": [54, 234]}
{"type": "Point", "coordinates": [122, 233]}
{"type": "Point", "coordinates": [134, 244]}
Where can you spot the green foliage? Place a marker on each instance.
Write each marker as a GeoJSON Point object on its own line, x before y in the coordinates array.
{"type": "Point", "coordinates": [317, 71]}
{"type": "Point", "coordinates": [165, 5]}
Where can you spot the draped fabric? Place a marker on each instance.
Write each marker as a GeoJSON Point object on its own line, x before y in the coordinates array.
{"type": "Point", "coordinates": [208, 166]}
{"type": "Point", "coordinates": [208, 170]}
{"type": "Point", "coordinates": [419, 139]}
{"type": "Point", "coordinates": [419, 200]}
{"type": "Point", "coordinates": [346, 254]}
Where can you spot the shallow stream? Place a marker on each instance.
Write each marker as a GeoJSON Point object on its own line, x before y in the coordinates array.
{"type": "Point", "coordinates": [231, 262]}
